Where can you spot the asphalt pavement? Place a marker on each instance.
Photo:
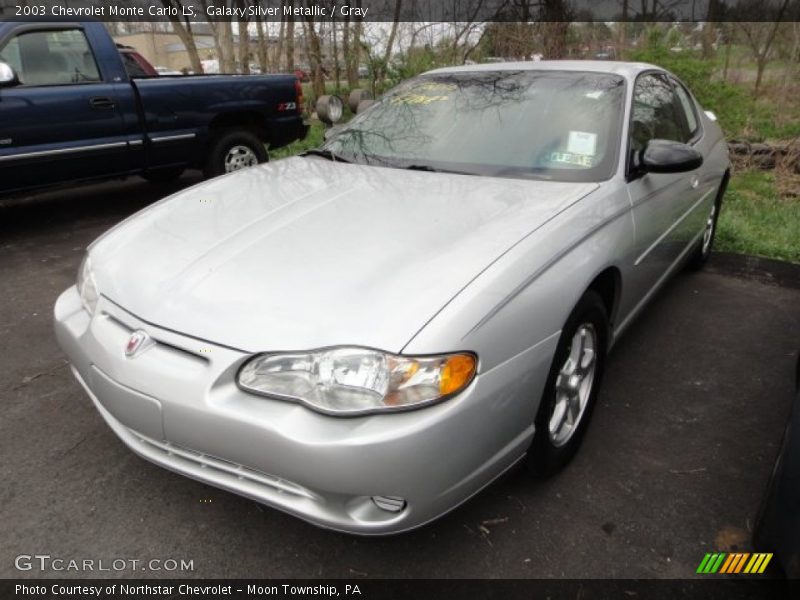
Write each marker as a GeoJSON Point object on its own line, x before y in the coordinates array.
{"type": "Point", "coordinates": [673, 466]}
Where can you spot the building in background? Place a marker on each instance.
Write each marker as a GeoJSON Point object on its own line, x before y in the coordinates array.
{"type": "Point", "coordinates": [165, 49]}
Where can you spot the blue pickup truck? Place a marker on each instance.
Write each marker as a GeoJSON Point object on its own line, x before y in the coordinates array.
{"type": "Point", "coordinates": [70, 112]}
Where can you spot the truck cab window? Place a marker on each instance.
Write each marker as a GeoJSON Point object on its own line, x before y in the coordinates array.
{"type": "Point", "coordinates": [58, 57]}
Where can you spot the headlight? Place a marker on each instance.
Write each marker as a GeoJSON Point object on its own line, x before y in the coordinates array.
{"type": "Point", "coordinates": [87, 288]}
{"type": "Point", "coordinates": [357, 380]}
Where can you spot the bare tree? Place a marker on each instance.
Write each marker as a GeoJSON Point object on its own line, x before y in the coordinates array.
{"type": "Point", "coordinates": [555, 16]}
{"type": "Point", "coordinates": [183, 29]}
{"type": "Point", "coordinates": [351, 81]}
{"type": "Point", "coordinates": [355, 50]}
{"type": "Point", "coordinates": [244, 38]}
{"type": "Point", "coordinates": [290, 41]}
{"type": "Point", "coordinates": [727, 33]}
{"type": "Point", "coordinates": [222, 33]}
{"type": "Point", "coordinates": [622, 41]}
{"type": "Point", "coordinates": [278, 58]}
{"type": "Point", "coordinates": [263, 46]}
{"type": "Point", "coordinates": [337, 67]}
{"type": "Point", "coordinates": [790, 69]}
{"type": "Point", "coordinates": [710, 28]}
{"type": "Point", "coordinates": [760, 37]}
{"type": "Point", "coordinates": [314, 55]}
{"type": "Point", "coordinates": [383, 64]}
{"type": "Point", "coordinates": [462, 31]}
{"type": "Point", "coordinates": [227, 63]}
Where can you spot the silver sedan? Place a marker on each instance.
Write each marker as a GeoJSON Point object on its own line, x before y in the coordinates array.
{"type": "Point", "coordinates": [367, 335]}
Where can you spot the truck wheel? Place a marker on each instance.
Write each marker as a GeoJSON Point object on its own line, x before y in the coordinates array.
{"type": "Point", "coordinates": [571, 388]}
{"type": "Point", "coordinates": [233, 150]}
{"type": "Point", "coordinates": [164, 175]}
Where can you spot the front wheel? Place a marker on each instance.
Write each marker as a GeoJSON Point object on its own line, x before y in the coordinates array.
{"type": "Point", "coordinates": [571, 388]}
{"type": "Point", "coordinates": [233, 150]}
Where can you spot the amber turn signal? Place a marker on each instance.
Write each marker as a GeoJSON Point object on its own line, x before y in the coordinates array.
{"type": "Point", "coordinates": [456, 373]}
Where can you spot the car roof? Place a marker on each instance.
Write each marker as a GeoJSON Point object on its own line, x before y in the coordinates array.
{"type": "Point", "coordinates": [628, 70]}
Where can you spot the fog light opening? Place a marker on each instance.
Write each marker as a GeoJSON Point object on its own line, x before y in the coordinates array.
{"type": "Point", "coordinates": [391, 504]}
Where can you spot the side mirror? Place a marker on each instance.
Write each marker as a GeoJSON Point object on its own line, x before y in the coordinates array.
{"type": "Point", "coordinates": [665, 156]}
{"type": "Point", "coordinates": [7, 75]}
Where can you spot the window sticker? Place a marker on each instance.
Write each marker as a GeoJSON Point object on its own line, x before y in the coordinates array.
{"type": "Point", "coordinates": [582, 142]}
{"type": "Point", "coordinates": [569, 158]}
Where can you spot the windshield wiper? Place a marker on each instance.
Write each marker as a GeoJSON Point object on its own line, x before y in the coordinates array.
{"type": "Point", "coordinates": [431, 169]}
{"type": "Point", "coordinates": [325, 154]}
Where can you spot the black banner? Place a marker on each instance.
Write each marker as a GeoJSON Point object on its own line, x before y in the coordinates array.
{"type": "Point", "coordinates": [732, 588]}
{"type": "Point", "coordinates": [404, 10]}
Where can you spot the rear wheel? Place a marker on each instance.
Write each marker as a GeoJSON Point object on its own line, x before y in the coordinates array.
{"type": "Point", "coordinates": [702, 252]}
{"type": "Point", "coordinates": [232, 150]}
{"type": "Point", "coordinates": [571, 388]}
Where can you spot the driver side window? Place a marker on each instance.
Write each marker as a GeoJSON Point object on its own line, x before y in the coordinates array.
{"type": "Point", "coordinates": [51, 58]}
{"type": "Point", "coordinates": [655, 112]}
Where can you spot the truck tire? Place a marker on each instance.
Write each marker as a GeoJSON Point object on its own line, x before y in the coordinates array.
{"type": "Point", "coordinates": [232, 150]}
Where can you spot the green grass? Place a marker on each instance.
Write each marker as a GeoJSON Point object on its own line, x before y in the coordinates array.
{"type": "Point", "coordinates": [312, 140]}
{"type": "Point", "coordinates": [756, 221]}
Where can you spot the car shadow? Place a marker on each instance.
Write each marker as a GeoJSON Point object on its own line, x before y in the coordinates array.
{"type": "Point", "coordinates": [43, 213]}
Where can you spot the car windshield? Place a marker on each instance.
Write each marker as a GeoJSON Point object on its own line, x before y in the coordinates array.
{"type": "Point", "coordinates": [558, 125]}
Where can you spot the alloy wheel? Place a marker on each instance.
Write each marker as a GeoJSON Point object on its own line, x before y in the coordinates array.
{"type": "Point", "coordinates": [574, 385]}
{"type": "Point", "coordinates": [708, 233]}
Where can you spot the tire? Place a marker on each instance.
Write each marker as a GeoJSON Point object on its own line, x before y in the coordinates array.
{"type": "Point", "coordinates": [233, 149]}
{"type": "Point", "coordinates": [164, 175]}
{"type": "Point", "coordinates": [702, 252]}
{"type": "Point", "coordinates": [550, 451]}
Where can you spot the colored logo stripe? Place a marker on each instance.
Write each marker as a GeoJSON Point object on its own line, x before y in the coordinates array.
{"type": "Point", "coordinates": [735, 562]}
{"type": "Point", "coordinates": [711, 563]}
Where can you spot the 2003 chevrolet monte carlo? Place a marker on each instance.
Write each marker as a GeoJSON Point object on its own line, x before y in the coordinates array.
{"type": "Point", "coordinates": [367, 335]}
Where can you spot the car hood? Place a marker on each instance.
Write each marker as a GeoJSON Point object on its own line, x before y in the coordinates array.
{"type": "Point", "coordinates": [304, 253]}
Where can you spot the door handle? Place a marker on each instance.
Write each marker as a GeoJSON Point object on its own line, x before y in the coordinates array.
{"type": "Point", "coordinates": [101, 103]}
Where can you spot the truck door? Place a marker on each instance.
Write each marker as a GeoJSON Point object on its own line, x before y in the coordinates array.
{"type": "Point", "coordinates": [62, 121]}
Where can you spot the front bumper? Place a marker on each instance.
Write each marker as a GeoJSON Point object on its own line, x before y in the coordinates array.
{"type": "Point", "coordinates": [177, 405]}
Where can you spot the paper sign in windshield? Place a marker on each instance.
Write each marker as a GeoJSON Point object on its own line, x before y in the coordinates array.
{"type": "Point", "coordinates": [582, 142]}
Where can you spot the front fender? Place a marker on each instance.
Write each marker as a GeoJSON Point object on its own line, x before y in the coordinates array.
{"type": "Point", "coordinates": [527, 294]}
